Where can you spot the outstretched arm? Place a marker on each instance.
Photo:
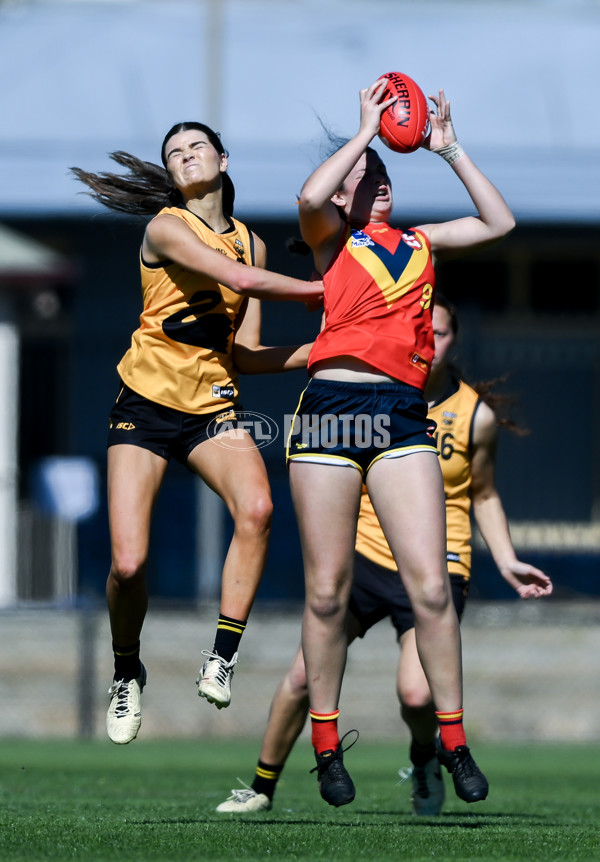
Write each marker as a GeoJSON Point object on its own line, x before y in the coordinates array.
{"type": "Point", "coordinates": [249, 355]}
{"type": "Point", "coordinates": [528, 581]}
{"type": "Point", "coordinates": [169, 238]}
{"type": "Point", "coordinates": [494, 219]}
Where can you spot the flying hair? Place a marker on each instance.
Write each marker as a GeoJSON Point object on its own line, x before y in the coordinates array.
{"type": "Point", "coordinates": [145, 188]}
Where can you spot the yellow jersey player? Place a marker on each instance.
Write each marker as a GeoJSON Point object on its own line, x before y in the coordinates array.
{"type": "Point", "coordinates": [202, 275]}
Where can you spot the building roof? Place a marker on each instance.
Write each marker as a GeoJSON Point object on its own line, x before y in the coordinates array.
{"type": "Point", "coordinates": [23, 260]}
{"type": "Point", "coordinates": [82, 79]}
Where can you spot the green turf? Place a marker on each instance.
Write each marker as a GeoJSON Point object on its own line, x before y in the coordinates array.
{"type": "Point", "coordinates": [155, 801]}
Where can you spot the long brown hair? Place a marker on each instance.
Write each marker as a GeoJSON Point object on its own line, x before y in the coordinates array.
{"type": "Point", "coordinates": [146, 187]}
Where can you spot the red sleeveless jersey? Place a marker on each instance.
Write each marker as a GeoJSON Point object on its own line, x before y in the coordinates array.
{"type": "Point", "coordinates": [378, 303]}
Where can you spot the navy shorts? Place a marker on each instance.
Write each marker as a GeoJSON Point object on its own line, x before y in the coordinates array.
{"type": "Point", "coordinates": [378, 592]}
{"type": "Point", "coordinates": [166, 432]}
{"type": "Point", "coordinates": [356, 424]}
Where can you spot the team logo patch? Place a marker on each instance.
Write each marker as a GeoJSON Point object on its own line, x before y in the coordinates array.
{"type": "Point", "coordinates": [360, 238]}
{"type": "Point", "coordinates": [223, 392]}
{"type": "Point", "coordinates": [228, 416]}
{"type": "Point", "coordinates": [419, 363]}
{"type": "Point", "coordinates": [413, 241]}
{"type": "Point", "coordinates": [239, 246]}
{"type": "Point", "coordinates": [448, 417]}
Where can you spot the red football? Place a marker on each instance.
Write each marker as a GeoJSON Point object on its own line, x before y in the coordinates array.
{"type": "Point", "coordinates": [405, 124]}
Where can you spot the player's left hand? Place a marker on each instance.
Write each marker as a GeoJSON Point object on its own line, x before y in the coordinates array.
{"type": "Point", "coordinates": [442, 131]}
{"type": "Point", "coordinates": [529, 582]}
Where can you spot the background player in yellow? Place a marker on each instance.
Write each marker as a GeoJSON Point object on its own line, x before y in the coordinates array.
{"type": "Point", "coordinates": [467, 445]}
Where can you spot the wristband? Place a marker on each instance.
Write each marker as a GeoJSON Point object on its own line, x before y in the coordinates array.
{"type": "Point", "coordinates": [450, 153]}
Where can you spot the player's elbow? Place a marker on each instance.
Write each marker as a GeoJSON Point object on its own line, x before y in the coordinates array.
{"type": "Point", "coordinates": [509, 224]}
{"type": "Point", "coordinates": [503, 225]}
{"type": "Point", "coordinates": [309, 202]}
{"type": "Point", "coordinates": [242, 357]}
{"type": "Point", "coordinates": [247, 359]}
{"type": "Point", "coordinates": [245, 280]}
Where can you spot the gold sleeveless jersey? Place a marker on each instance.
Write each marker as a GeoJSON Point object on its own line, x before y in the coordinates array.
{"type": "Point", "coordinates": [181, 354]}
{"type": "Point", "coordinates": [454, 418]}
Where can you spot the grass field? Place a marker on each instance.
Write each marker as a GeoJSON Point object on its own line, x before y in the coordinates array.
{"type": "Point", "coordinates": [156, 800]}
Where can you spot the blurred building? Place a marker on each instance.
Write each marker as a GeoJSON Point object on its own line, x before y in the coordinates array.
{"type": "Point", "coordinates": [86, 78]}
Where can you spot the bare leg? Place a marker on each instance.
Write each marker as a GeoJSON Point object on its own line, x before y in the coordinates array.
{"type": "Point", "coordinates": [134, 478]}
{"type": "Point", "coordinates": [408, 497]}
{"type": "Point", "coordinates": [236, 471]}
{"type": "Point", "coordinates": [287, 715]}
{"type": "Point", "coordinates": [326, 499]}
{"type": "Point", "coordinates": [289, 707]}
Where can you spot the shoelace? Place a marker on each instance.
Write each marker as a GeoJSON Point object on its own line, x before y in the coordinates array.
{"type": "Point", "coordinates": [408, 772]}
{"type": "Point", "coordinates": [465, 765]}
{"type": "Point", "coordinates": [121, 690]}
{"type": "Point", "coordinates": [243, 793]}
{"type": "Point", "coordinates": [333, 762]}
{"type": "Point", "coordinates": [405, 773]}
{"type": "Point", "coordinates": [223, 669]}
{"type": "Point", "coordinates": [422, 789]}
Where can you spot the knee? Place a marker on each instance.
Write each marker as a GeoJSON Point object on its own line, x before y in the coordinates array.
{"type": "Point", "coordinates": [414, 700]}
{"type": "Point", "coordinates": [295, 683]}
{"type": "Point", "coordinates": [326, 604]}
{"type": "Point", "coordinates": [254, 516]}
{"type": "Point", "coordinates": [127, 570]}
{"type": "Point", "coordinates": [433, 598]}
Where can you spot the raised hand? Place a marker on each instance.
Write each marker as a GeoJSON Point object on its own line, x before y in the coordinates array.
{"type": "Point", "coordinates": [371, 106]}
{"type": "Point", "coordinates": [442, 131]}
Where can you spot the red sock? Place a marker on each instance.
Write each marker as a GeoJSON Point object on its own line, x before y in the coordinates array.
{"type": "Point", "coordinates": [324, 730]}
{"type": "Point", "coordinates": [452, 732]}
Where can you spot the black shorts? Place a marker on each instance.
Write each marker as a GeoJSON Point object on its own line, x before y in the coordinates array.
{"type": "Point", "coordinates": [378, 592]}
{"type": "Point", "coordinates": [356, 424]}
{"type": "Point", "coordinates": [166, 432]}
